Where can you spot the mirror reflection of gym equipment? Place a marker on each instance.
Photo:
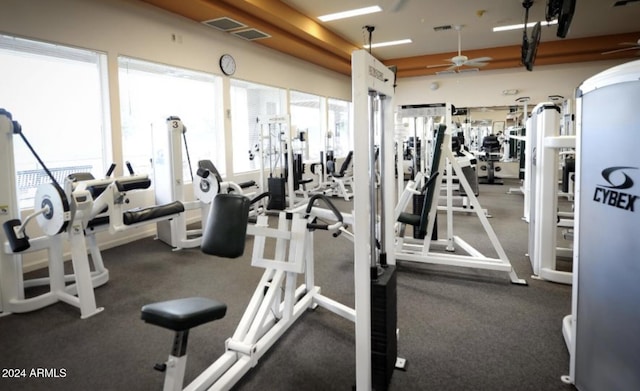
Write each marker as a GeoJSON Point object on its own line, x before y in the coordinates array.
{"type": "Point", "coordinates": [443, 165]}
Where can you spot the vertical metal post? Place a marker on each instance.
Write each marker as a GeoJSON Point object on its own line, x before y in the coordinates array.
{"type": "Point", "coordinates": [381, 154]}
{"type": "Point", "coordinates": [373, 202]}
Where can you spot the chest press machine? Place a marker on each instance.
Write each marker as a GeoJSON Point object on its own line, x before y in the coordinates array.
{"type": "Point", "coordinates": [278, 300]}
{"type": "Point", "coordinates": [74, 213]}
{"type": "Point", "coordinates": [276, 304]}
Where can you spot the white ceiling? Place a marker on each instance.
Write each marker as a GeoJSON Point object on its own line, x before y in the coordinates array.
{"type": "Point", "coordinates": [416, 19]}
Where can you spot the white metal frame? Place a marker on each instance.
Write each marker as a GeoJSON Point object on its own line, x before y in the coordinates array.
{"type": "Point", "coordinates": [12, 284]}
{"type": "Point", "coordinates": [419, 250]}
{"type": "Point", "coordinates": [370, 77]}
{"type": "Point", "coordinates": [277, 302]}
{"type": "Point", "coordinates": [283, 121]}
{"type": "Point", "coordinates": [169, 186]}
{"type": "Point", "coordinates": [543, 251]}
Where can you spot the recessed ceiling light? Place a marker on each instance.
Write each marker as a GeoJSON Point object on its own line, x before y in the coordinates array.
{"type": "Point", "coordinates": [349, 14]}
{"type": "Point", "coordinates": [389, 43]}
{"type": "Point", "coordinates": [521, 25]}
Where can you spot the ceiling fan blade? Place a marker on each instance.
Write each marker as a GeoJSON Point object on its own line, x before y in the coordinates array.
{"type": "Point", "coordinates": [621, 50]}
{"type": "Point", "coordinates": [479, 59]}
{"type": "Point", "coordinates": [438, 65]}
{"type": "Point", "coordinates": [475, 64]}
{"type": "Point", "coordinates": [452, 67]}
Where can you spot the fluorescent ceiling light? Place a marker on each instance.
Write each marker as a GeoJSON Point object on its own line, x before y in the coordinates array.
{"type": "Point", "coordinates": [521, 25]}
{"type": "Point", "coordinates": [349, 14]}
{"type": "Point", "coordinates": [389, 43]}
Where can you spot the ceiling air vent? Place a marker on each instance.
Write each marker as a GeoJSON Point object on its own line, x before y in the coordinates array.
{"type": "Point", "coordinates": [443, 28]}
{"type": "Point", "coordinates": [251, 34]}
{"type": "Point", "coordinates": [224, 24]}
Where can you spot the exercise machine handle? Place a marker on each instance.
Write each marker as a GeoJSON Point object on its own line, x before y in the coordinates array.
{"type": "Point", "coordinates": [259, 197]}
{"type": "Point", "coordinates": [112, 167]}
{"type": "Point", "coordinates": [330, 204]}
{"type": "Point", "coordinates": [130, 168]}
{"type": "Point", "coordinates": [18, 243]}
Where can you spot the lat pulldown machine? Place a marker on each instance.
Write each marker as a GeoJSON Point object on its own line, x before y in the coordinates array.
{"type": "Point", "coordinates": [277, 302]}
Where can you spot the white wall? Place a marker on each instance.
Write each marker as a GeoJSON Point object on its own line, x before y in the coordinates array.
{"type": "Point", "coordinates": [136, 29]}
{"type": "Point", "coordinates": [485, 88]}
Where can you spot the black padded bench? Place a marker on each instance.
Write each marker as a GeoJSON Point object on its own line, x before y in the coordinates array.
{"type": "Point", "coordinates": [180, 315]}
{"type": "Point", "coordinates": [134, 216]}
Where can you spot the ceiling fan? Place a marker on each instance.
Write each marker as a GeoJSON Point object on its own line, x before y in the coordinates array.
{"type": "Point", "coordinates": [461, 60]}
{"type": "Point", "coordinates": [631, 46]}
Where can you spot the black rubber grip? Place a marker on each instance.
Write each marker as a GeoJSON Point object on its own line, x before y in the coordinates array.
{"type": "Point", "coordinates": [333, 208]}
{"type": "Point", "coordinates": [318, 226]}
{"type": "Point", "coordinates": [17, 244]}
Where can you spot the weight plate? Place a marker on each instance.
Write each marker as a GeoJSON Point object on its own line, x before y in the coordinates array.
{"type": "Point", "coordinates": [55, 220]}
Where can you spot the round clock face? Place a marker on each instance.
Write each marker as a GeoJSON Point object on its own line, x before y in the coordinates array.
{"type": "Point", "coordinates": [228, 64]}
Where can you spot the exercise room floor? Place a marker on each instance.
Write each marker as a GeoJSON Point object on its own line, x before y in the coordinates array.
{"type": "Point", "coordinates": [460, 329]}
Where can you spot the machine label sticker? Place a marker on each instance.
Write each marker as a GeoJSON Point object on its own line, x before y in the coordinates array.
{"type": "Point", "coordinates": [376, 73]}
{"type": "Point", "coordinates": [610, 194]}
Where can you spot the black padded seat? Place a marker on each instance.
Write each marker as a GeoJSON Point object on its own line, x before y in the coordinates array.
{"type": "Point", "coordinates": [409, 218]}
{"type": "Point", "coordinates": [304, 182]}
{"type": "Point", "coordinates": [183, 314]}
{"type": "Point", "coordinates": [153, 212]}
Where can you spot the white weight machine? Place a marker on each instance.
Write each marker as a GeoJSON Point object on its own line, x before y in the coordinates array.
{"type": "Point", "coordinates": [278, 300]}
{"type": "Point", "coordinates": [276, 154]}
{"type": "Point", "coordinates": [375, 260]}
{"type": "Point", "coordinates": [544, 217]}
{"type": "Point", "coordinates": [424, 119]}
{"type": "Point", "coordinates": [170, 185]}
{"type": "Point", "coordinates": [420, 250]}
{"type": "Point", "coordinates": [601, 332]}
{"type": "Point", "coordinates": [73, 214]}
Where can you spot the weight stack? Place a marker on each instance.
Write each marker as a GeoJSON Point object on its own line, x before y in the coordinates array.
{"type": "Point", "coordinates": [277, 198]}
{"type": "Point", "coordinates": [384, 319]}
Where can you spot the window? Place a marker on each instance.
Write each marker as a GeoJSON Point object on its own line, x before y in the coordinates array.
{"type": "Point", "coordinates": [58, 94]}
{"type": "Point", "coordinates": [339, 133]}
{"type": "Point", "coordinates": [150, 93]}
{"type": "Point", "coordinates": [306, 110]}
{"type": "Point", "coordinates": [250, 101]}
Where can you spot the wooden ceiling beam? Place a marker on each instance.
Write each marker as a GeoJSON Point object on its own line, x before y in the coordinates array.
{"type": "Point", "coordinates": [549, 53]}
{"type": "Point", "coordinates": [299, 25]}
{"type": "Point", "coordinates": [301, 36]}
{"type": "Point", "coordinates": [280, 40]}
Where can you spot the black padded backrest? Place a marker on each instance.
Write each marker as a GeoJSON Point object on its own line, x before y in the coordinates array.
{"type": "Point", "coordinates": [491, 143]}
{"type": "Point", "coordinates": [226, 229]}
{"type": "Point", "coordinates": [208, 164]}
{"type": "Point", "coordinates": [431, 184]}
{"type": "Point", "coordinates": [345, 164]}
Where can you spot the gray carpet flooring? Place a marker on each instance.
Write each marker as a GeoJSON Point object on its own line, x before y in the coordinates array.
{"type": "Point", "coordinates": [460, 329]}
